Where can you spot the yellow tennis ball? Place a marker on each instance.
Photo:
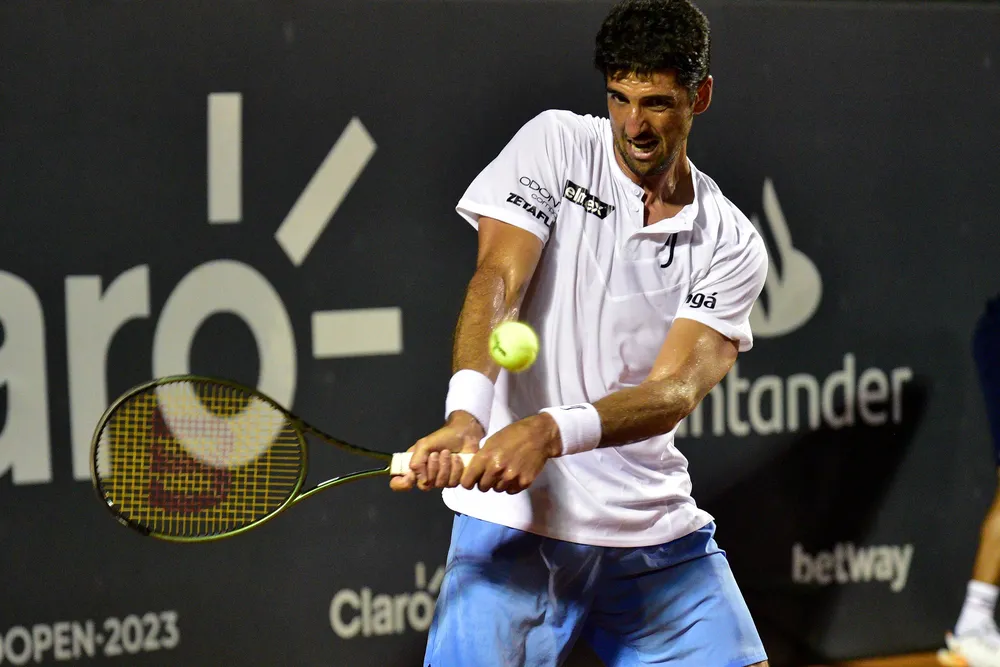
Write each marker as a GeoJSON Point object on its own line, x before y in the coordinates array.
{"type": "Point", "coordinates": [514, 345]}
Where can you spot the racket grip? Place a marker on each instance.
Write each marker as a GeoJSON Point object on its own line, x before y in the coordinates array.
{"type": "Point", "coordinates": [401, 462]}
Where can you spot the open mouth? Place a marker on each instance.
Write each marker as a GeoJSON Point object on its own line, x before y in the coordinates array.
{"type": "Point", "coordinates": [642, 150]}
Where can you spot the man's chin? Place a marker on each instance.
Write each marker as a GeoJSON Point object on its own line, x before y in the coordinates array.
{"type": "Point", "coordinates": [643, 168]}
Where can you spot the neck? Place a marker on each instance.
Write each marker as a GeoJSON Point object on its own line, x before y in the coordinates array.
{"type": "Point", "coordinates": [672, 186]}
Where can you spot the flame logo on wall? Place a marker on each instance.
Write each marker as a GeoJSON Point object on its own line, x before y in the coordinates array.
{"type": "Point", "coordinates": [793, 287]}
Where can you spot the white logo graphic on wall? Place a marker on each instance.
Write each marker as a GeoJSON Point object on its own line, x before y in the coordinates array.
{"type": "Point", "coordinates": [833, 398]}
{"type": "Point", "coordinates": [95, 312]}
{"type": "Point", "coordinates": [848, 563]}
{"type": "Point", "coordinates": [793, 287]}
{"type": "Point", "coordinates": [369, 613]}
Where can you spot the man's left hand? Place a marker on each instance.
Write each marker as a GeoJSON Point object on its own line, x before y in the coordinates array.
{"type": "Point", "coordinates": [513, 457]}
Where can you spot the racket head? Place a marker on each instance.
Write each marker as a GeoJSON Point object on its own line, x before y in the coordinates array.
{"type": "Point", "coordinates": [191, 459]}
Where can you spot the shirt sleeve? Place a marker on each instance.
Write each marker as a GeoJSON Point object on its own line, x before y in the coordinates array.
{"type": "Point", "coordinates": [723, 297]}
{"type": "Point", "coordinates": [522, 185]}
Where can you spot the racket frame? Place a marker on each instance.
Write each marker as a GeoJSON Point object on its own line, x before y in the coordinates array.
{"type": "Point", "coordinates": [300, 426]}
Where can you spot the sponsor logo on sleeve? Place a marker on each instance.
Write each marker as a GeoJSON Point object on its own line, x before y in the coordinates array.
{"type": "Point", "coordinates": [529, 207]}
{"type": "Point", "coordinates": [540, 194]}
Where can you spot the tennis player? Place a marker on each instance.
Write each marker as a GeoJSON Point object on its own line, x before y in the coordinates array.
{"type": "Point", "coordinates": [975, 640]}
{"type": "Point", "coordinates": [575, 519]}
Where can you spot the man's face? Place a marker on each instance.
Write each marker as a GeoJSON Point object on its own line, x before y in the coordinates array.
{"type": "Point", "coordinates": [651, 117]}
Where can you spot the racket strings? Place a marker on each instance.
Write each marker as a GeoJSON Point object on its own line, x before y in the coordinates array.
{"type": "Point", "coordinates": [190, 459]}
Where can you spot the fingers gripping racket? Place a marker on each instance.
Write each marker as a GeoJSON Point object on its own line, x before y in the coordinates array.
{"type": "Point", "coordinates": [191, 459]}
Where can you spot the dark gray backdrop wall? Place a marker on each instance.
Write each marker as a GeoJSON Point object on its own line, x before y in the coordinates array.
{"type": "Point", "coordinates": [845, 458]}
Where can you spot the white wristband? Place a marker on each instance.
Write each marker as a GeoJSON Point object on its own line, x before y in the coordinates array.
{"type": "Point", "coordinates": [472, 392]}
{"type": "Point", "coordinates": [579, 427]}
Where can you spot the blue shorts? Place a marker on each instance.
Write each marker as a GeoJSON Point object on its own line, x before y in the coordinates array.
{"type": "Point", "coordinates": [986, 353]}
{"type": "Point", "coordinates": [515, 599]}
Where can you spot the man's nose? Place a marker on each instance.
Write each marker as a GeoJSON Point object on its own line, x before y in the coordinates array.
{"type": "Point", "coordinates": [635, 123]}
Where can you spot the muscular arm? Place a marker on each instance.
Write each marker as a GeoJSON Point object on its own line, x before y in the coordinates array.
{"type": "Point", "coordinates": [506, 261]}
{"type": "Point", "coordinates": [693, 359]}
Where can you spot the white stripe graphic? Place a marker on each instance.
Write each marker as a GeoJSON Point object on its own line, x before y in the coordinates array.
{"type": "Point", "coordinates": [312, 211]}
{"type": "Point", "coordinates": [225, 159]}
{"type": "Point", "coordinates": [357, 333]}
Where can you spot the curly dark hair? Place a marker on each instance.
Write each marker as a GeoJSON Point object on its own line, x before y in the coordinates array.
{"type": "Point", "coordinates": [646, 36]}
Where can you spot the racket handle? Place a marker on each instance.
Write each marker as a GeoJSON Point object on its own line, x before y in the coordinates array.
{"type": "Point", "coordinates": [401, 462]}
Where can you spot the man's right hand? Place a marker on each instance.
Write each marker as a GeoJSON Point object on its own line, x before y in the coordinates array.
{"type": "Point", "coordinates": [432, 466]}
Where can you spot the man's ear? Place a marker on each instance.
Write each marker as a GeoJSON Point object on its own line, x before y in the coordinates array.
{"type": "Point", "coordinates": [703, 98]}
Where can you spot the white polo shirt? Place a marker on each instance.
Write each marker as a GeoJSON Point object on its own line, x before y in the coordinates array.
{"type": "Point", "coordinates": [604, 294]}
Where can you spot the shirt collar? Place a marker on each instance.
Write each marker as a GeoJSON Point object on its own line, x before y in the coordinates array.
{"type": "Point", "coordinates": [682, 222]}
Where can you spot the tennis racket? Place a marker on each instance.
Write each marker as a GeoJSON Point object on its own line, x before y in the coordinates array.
{"type": "Point", "coordinates": [191, 459]}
